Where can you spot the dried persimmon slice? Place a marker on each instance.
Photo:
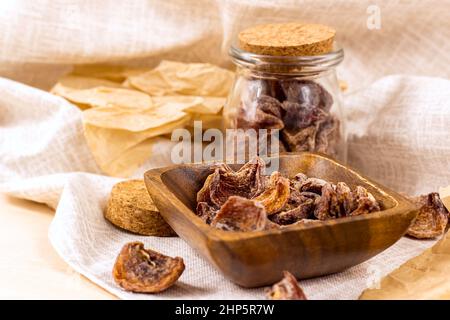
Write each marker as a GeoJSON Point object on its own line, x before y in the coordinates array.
{"type": "Point", "coordinates": [247, 182]}
{"type": "Point", "coordinates": [299, 116]}
{"type": "Point", "coordinates": [302, 211]}
{"type": "Point", "coordinates": [313, 185]}
{"type": "Point", "coordinates": [345, 198]}
{"type": "Point", "coordinates": [276, 194]}
{"type": "Point", "coordinates": [143, 270]}
{"type": "Point", "coordinates": [286, 289]}
{"type": "Point", "coordinates": [269, 105]}
{"type": "Point", "coordinates": [365, 202]}
{"type": "Point", "coordinates": [240, 214]}
{"type": "Point", "coordinates": [306, 91]}
{"type": "Point", "coordinates": [259, 120]}
{"type": "Point", "coordinates": [432, 218]}
{"type": "Point", "coordinates": [203, 195]}
{"type": "Point", "coordinates": [337, 201]}
{"type": "Point", "coordinates": [327, 206]}
{"type": "Point", "coordinates": [303, 140]}
{"type": "Point", "coordinates": [327, 136]}
{"type": "Point", "coordinates": [297, 181]}
{"type": "Point", "coordinates": [205, 212]}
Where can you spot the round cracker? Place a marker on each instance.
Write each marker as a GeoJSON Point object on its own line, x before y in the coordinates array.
{"type": "Point", "coordinates": [131, 208]}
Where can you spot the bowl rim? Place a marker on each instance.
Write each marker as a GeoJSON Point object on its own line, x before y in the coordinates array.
{"type": "Point", "coordinates": [154, 178]}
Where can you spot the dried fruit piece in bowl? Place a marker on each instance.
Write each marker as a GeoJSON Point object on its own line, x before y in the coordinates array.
{"type": "Point", "coordinates": [302, 211]}
{"type": "Point", "coordinates": [143, 270]}
{"type": "Point", "coordinates": [296, 198]}
{"type": "Point", "coordinates": [337, 201]}
{"type": "Point", "coordinates": [206, 212]}
{"type": "Point", "coordinates": [298, 180]}
{"type": "Point", "coordinates": [276, 194]}
{"type": "Point", "coordinates": [204, 194]}
{"type": "Point", "coordinates": [328, 206]}
{"type": "Point", "coordinates": [365, 202]}
{"type": "Point", "coordinates": [240, 214]}
{"type": "Point", "coordinates": [228, 195]}
{"type": "Point", "coordinates": [432, 218]}
{"type": "Point", "coordinates": [345, 197]}
{"type": "Point", "coordinates": [286, 289]}
{"type": "Point", "coordinates": [312, 185]}
{"type": "Point", "coordinates": [247, 182]}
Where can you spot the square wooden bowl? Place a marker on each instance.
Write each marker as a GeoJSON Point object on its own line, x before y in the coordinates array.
{"type": "Point", "coordinates": [253, 259]}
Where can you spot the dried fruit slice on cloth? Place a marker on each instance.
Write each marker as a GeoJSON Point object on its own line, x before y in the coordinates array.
{"type": "Point", "coordinates": [286, 289]}
{"type": "Point", "coordinates": [240, 214]}
{"type": "Point", "coordinates": [144, 270]}
{"type": "Point", "coordinates": [276, 194]}
{"type": "Point", "coordinates": [432, 218]}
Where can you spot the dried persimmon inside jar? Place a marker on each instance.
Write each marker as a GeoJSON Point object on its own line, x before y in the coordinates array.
{"type": "Point", "coordinates": [286, 82]}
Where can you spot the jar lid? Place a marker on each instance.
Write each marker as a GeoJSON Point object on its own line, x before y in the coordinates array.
{"type": "Point", "coordinates": [288, 39]}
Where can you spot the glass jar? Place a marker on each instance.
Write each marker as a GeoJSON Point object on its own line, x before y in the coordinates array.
{"type": "Point", "coordinates": [297, 95]}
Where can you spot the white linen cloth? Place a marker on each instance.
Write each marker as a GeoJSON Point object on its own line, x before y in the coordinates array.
{"type": "Point", "coordinates": [398, 124]}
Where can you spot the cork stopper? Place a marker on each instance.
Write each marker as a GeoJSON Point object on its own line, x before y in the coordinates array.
{"type": "Point", "coordinates": [288, 39]}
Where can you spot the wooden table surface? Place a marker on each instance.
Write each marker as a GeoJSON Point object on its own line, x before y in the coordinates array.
{"type": "Point", "coordinates": [29, 267]}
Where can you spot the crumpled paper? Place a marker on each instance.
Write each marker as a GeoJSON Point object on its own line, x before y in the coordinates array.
{"type": "Point", "coordinates": [193, 79]}
{"type": "Point", "coordinates": [426, 276]}
{"type": "Point", "coordinates": [121, 121]}
{"type": "Point", "coordinates": [444, 194]}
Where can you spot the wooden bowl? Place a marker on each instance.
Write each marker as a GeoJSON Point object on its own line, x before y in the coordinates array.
{"type": "Point", "coordinates": [253, 259]}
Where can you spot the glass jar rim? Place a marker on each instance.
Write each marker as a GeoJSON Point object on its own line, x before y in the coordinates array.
{"type": "Point", "coordinates": [298, 64]}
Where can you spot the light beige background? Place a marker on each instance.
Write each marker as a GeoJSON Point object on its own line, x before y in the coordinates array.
{"type": "Point", "coordinates": [29, 266]}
